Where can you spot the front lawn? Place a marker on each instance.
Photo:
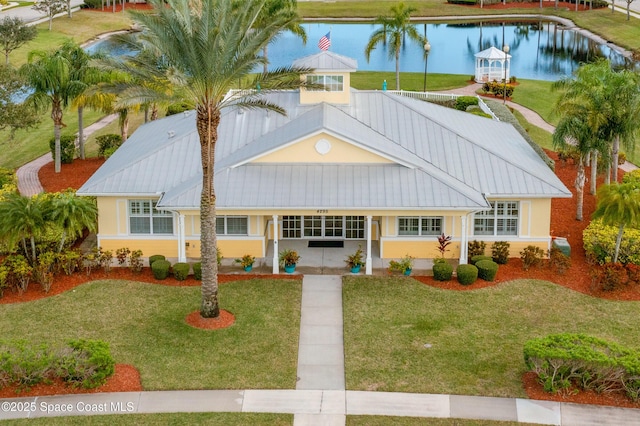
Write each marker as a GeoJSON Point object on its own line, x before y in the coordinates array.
{"type": "Point", "coordinates": [144, 324]}
{"type": "Point", "coordinates": [477, 336]}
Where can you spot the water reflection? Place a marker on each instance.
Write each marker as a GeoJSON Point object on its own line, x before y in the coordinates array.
{"type": "Point", "coordinates": [541, 50]}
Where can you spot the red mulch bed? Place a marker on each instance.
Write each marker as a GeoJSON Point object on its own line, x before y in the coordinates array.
{"type": "Point", "coordinates": [563, 224]}
{"type": "Point", "coordinates": [530, 5]}
{"type": "Point", "coordinates": [224, 320]}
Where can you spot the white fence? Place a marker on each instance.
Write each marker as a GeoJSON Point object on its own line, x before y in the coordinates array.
{"type": "Point", "coordinates": [430, 96]}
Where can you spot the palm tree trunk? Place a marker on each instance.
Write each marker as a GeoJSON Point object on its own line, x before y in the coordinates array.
{"type": "Point", "coordinates": [56, 116]}
{"type": "Point", "coordinates": [594, 172]}
{"type": "Point", "coordinates": [62, 240]}
{"type": "Point", "coordinates": [33, 250]}
{"type": "Point", "coordinates": [579, 185]}
{"type": "Point", "coordinates": [154, 111]}
{"type": "Point", "coordinates": [618, 242]}
{"type": "Point", "coordinates": [81, 131]}
{"type": "Point", "coordinates": [607, 175]}
{"type": "Point", "coordinates": [614, 157]}
{"type": "Point", "coordinates": [146, 113]}
{"type": "Point", "coordinates": [265, 52]}
{"type": "Point", "coordinates": [398, 69]}
{"type": "Point", "coordinates": [208, 118]}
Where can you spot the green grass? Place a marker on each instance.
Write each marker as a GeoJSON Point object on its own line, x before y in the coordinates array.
{"type": "Point", "coordinates": [370, 80]}
{"type": "Point", "coordinates": [539, 136]}
{"type": "Point", "coordinates": [537, 96]}
{"type": "Point", "coordinates": [176, 419]}
{"type": "Point", "coordinates": [135, 120]}
{"type": "Point", "coordinates": [477, 336]}
{"type": "Point", "coordinates": [144, 324]}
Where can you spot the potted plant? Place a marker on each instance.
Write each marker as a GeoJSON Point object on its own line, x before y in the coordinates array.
{"type": "Point", "coordinates": [355, 261]}
{"type": "Point", "coordinates": [246, 262]}
{"type": "Point", "coordinates": [288, 259]}
{"type": "Point", "coordinates": [404, 265]}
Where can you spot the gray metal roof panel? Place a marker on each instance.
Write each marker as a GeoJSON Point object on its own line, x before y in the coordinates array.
{"type": "Point", "coordinates": [327, 61]}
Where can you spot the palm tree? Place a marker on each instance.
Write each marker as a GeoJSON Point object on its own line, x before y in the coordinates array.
{"type": "Point", "coordinates": [618, 205]}
{"type": "Point", "coordinates": [72, 214]}
{"type": "Point", "coordinates": [272, 8]}
{"type": "Point", "coordinates": [21, 219]}
{"type": "Point", "coordinates": [52, 78]}
{"type": "Point", "coordinates": [210, 47]}
{"type": "Point", "coordinates": [394, 32]}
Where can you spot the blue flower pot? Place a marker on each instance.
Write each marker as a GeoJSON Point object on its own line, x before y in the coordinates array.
{"type": "Point", "coordinates": [290, 269]}
{"type": "Point", "coordinates": [248, 268]}
{"type": "Point", "coordinates": [355, 269]}
{"type": "Point", "coordinates": [407, 271]}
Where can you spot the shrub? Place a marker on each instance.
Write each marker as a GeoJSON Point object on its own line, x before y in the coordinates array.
{"type": "Point", "coordinates": [500, 252]}
{"type": "Point", "coordinates": [531, 256]}
{"type": "Point", "coordinates": [197, 271]}
{"type": "Point", "coordinates": [179, 107]}
{"type": "Point", "coordinates": [70, 261]}
{"type": "Point", "coordinates": [467, 274]}
{"type": "Point", "coordinates": [43, 270]}
{"type": "Point", "coordinates": [19, 272]}
{"type": "Point", "coordinates": [4, 278]}
{"type": "Point", "coordinates": [122, 254]}
{"type": "Point", "coordinates": [622, 158]}
{"type": "Point", "coordinates": [25, 365]}
{"type": "Point", "coordinates": [108, 144]}
{"type": "Point", "coordinates": [562, 360]}
{"type": "Point", "coordinates": [463, 102]}
{"type": "Point", "coordinates": [104, 259]}
{"type": "Point", "coordinates": [487, 270]}
{"type": "Point", "coordinates": [559, 261]}
{"type": "Point", "coordinates": [67, 148]}
{"type": "Point", "coordinates": [91, 260]}
{"type": "Point", "coordinates": [87, 363]}
{"type": "Point", "coordinates": [160, 269]}
{"type": "Point", "coordinates": [156, 257]}
{"type": "Point", "coordinates": [91, 4]}
{"type": "Point", "coordinates": [477, 258]}
{"type": "Point", "coordinates": [442, 271]}
{"type": "Point", "coordinates": [613, 276]}
{"type": "Point", "coordinates": [475, 248]}
{"type": "Point", "coordinates": [600, 240]}
{"type": "Point", "coordinates": [513, 79]}
{"type": "Point", "coordinates": [632, 177]}
{"type": "Point", "coordinates": [181, 271]}
{"type": "Point", "coordinates": [135, 261]}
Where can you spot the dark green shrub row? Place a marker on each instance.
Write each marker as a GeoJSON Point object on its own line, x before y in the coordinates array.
{"type": "Point", "coordinates": [107, 144]}
{"type": "Point", "coordinates": [179, 107]}
{"type": "Point", "coordinates": [67, 148]}
{"type": "Point", "coordinates": [487, 270]}
{"type": "Point", "coordinates": [197, 271]}
{"type": "Point", "coordinates": [156, 257]}
{"type": "Point", "coordinates": [181, 271]}
{"type": "Point", "coordinates": [463, 102]}
{"type": "Point", "coordinates": [160, 269]}
{"type": "Point", "coordinates": [442, 270]}
{"type": "Point", "coordinates": [477, 258]}
{"type": "Point", "coordinates": [586, 362]}
{"type": "Point", "coordinates": [467, 274]}
{"type": "Point", "coordinates": [86, 363]}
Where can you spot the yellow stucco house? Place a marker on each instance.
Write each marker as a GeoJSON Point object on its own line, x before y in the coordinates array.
{"type": "Point", "coordinates": [387, 171]}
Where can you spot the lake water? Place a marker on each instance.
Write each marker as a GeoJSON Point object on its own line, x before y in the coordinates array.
{"type": "Point", "coordinates": [540, 50]}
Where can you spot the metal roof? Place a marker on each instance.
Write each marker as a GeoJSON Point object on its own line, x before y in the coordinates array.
{"type": "Point", "coordinates": [441, 158]}
{"type": "Point", "coordinates": [327, 61]}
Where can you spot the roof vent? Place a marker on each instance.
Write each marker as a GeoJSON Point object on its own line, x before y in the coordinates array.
{"type": "Point", "coordinates": [186, 113]}
{"type": "Point", "coordinates": [171, 133]}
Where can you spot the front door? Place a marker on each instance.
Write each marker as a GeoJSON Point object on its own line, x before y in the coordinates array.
{"type": "Point", "coordinates": [336, 227]}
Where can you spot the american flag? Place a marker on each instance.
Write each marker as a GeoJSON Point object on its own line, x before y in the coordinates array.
{"type": "Point", "coordinates": [325, 41]}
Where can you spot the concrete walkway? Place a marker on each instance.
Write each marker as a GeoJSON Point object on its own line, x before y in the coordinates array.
{"type": "Point", "coordinates": [320, 397]}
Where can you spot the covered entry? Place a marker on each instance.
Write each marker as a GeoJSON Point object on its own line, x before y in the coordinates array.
{"type": "Point", "coordinates": [336, 227]}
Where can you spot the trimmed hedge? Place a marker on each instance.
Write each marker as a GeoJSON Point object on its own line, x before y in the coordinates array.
{"type": "Point", "coordinates": [160, 269]}
{"type": "Point", "coordinates": [442, 271]}
{"type": "Point", "coordinates": [181, 271]}
{"type": "Point", "coordinates": [464, 102]}
{"type": "Point", "coordinates": [600, 241]}
{"type": "Point", "coordinates": [467, 274]}
{"type": "Point", "coordinates": [156, 257]}
{"type": "Point", "coordinates": [487, 269]}
{"type": "Point", "coordinates": [197, 271]}
{"type": "Point", "coordinates": [67, 148]}
{"type": "Point", "coordinates": [587, 362]}
{"type": "Point", "coordinates": [477, 258]}
{"type": "Point", "coordinates": [108, 144]}
{"type": "Point", "coordinates": [86, 363]}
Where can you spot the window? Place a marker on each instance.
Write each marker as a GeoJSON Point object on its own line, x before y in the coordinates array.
{"type": "Point", "coordinates": [420, 225]}
{"type": "Point", "coordinates": [232, 225]}
{"type": "Point", "coordinates": [501, 220]}
{"type": "Point", "coordinates": [145, 219]}
{"type": "Point", "coordinates": [332, 83]}
{"type": "Point", "coordinates": [291, 226]}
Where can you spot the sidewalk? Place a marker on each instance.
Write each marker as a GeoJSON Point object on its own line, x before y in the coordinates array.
{"type": "Point", "coordinates": [320, 397]}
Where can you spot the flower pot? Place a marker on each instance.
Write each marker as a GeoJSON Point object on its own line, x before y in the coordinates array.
{"type": "Point", "coordinates": [355, 269]}
{"type": "Point", "coordinates": [407, 271]}
{"type": "Point", "coordinates": [289, 269]}
{"type": "Point", "coordinates": [248, 268]}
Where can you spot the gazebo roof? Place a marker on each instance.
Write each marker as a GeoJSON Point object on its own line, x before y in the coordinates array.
{"type": "Point", "coordinates": [492, 53]}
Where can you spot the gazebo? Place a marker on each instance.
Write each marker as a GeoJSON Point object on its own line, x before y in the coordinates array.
{"type": "Point", "coordinates": [492, 64]}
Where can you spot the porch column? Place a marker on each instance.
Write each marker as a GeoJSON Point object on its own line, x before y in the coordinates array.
{"type": "Point", "coordinates": [182, 251]}
{"type": "Point", "coordinates": [276, 267]}
{"type": "Point", "coordinates": [368, 268]}
{"type": "Point", "coordinates": [464, 244]}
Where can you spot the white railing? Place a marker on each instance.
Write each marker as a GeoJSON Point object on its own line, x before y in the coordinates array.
{"type": "Point", "coordinates": [431, 96]}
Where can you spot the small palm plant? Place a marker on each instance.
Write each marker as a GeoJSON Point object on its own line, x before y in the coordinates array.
{"type": "Point", "coordinates": [355, 261]}
{"type": "Point", "coordinates": [246, 262]}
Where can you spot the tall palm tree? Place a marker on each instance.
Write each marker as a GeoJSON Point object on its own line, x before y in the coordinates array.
{"type": "Point", "coordinates": [618, 205]}
{"type": "Point", "coordinates": [21, 219]}
{"type": "Point", "coordinates": [210, 48]}
{"type": "Point", "coordinates": [270, 9]}
{"type": "Point", "coordinates": [574, 131]}
{"type": "Point", "coordinates": [52, 78]}
{"type": "Point", "coordinates": [72, 214]}
{"type": "Point", "coordinates": [394, 31]}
